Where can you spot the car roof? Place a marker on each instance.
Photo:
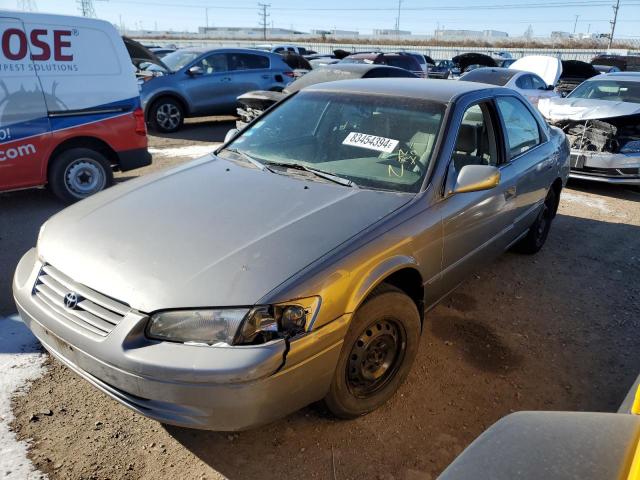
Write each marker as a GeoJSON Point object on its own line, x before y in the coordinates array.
{"type": "Point", "coordinates": [627, 76]}
{"type": "Point", "coordinates": [201, 50]}
{"type": "Point", "coordinates": [431, 89]}
{"type": "Point", "coordinates": [510, 72]}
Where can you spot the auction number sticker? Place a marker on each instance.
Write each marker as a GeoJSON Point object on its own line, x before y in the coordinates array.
{"type": "Point", "coordinates": [372, 142]}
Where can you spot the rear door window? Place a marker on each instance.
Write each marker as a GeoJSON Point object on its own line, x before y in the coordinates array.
{"type": "Point", "coordinates": [247, 61]}
{"type": "Point", "coordinates": [522, 129]}
{"type": "Point", "coordinates": [524, 82]}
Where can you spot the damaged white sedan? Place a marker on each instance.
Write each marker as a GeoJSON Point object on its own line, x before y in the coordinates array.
{"type": "Point", "coordinates": [601, 119]}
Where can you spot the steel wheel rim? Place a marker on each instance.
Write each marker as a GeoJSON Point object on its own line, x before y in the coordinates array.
{"type": "Point", "coordinates": [84, 177]}
{"type": "Point", "coordinates": [375, 357]}
{"type": "Point", "coordinates": [168, 116]}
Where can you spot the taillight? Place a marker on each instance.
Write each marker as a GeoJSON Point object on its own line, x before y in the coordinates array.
{"type": "Point", "coordinates": [141, 126]}
{"type": "Point", "coordinates": [290, 74]}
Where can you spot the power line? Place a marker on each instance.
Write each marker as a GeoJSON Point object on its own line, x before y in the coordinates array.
{"type": "Point", "coordinates": [264, 16]}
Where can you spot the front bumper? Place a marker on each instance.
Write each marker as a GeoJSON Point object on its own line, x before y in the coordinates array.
{"type": "Point", "coordinates": [229, 388]}
{"type": "Point", "coordinates": [613, 168]}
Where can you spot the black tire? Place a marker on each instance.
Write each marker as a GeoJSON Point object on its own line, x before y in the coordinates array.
{"type": "Point", "coordinates": [538, 232]}
{"type": "Point", "coordinates": [166, 115]}
{"type": "Point", "coordinates": [369, 372]}
{"type": "Point", "coordinates": [78, 173]}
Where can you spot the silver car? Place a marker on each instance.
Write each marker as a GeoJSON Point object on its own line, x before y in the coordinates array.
{"type": "Point", "coordinates": [296, 263]}
{"type": "Point", "coordinates": [601, 118]}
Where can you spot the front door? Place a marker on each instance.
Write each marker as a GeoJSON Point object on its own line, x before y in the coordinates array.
{"type": "Point", "coordinates": [24, 125]}
{"type": "Point", "coordinates": [210, 91]}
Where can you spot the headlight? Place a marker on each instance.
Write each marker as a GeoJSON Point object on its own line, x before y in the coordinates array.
{"type": "Point", "coordinates": [631, 147]}
{"type": "Point", "coordinates": [234, 326]}
{"type": "Point", "coordinates": [197, 326]}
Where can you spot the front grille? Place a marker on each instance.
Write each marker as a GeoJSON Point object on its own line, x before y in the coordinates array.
{"type": "Point", "coordinates": [94, 312]}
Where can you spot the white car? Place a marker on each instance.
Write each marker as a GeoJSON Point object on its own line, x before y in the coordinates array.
{"type": "Point", "coordinates": [535, 76]}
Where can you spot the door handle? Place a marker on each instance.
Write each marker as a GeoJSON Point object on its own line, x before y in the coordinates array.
{"type": "Point", "coordinates": [225, 79]}
{"type": "Point", "coordinates": [510, 192]}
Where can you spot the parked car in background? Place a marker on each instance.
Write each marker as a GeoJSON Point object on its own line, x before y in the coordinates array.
{"type": "Point", "coordinates": [142, 57]}
{"type": "Point", "coordinates": [574, 72]}
{"type": "Point", "coordinates": [506, 63]}
{"type": "Point", "coordinates": [444, 69]}
{"type": "Point", "coordinates": [295, 263]}
{"type": "Point", "coordinates": [601, 118]}
{"type": "Point", "coordinates": [530, 85]}
{"type": "Point", "coordinates": [68, 117]}
{"type": "Point", "coordinates": [425, 61]}
{"type": "Point", "coordinates": [606, 68]}
{"type": "Point", "coordinates": [200, 82]}
{"type": "Point", "coordinates": [625, 63]}
{"type": "Point", "coordinates": [469, 61]}
{"type": "Point", "coordinates": [400, 60]}
{"type": "Point", "coordinates": [253, 104]}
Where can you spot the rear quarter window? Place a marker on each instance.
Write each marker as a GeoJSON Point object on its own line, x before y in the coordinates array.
{"type": "Point", "coordinates": [408, 63]}
{"type": "Point", "coordinates": [247, 61]}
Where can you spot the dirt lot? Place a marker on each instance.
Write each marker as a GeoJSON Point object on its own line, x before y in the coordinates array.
{"type": "Point", "coordinates": [556, 331]}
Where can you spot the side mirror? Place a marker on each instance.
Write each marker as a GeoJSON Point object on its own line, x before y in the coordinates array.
{"type": "Point", "coordinates": [473, 178]}
{"type": "Point", "coordinates": [550, 87]}
{"type": "Point", "coordinates": [195, 70]}
{"type": "Point", "coordinates": [231, 134]}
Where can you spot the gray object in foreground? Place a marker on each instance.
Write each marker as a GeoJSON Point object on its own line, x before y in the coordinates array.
{"type": "Point", "coordinates": [295, 264]}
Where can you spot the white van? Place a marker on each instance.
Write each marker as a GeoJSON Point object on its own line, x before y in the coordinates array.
{"type": "Point", "coordinates": [69, 105]}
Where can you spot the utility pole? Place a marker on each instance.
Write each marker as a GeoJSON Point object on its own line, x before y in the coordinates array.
{"type": "Point", "coordinates": [398, 18]}
{"type": "Point", "coordinates": [575, 24]}
{"type": "Point", "coordinates": [86, 8]}
{"type": "Point", "coordinates": [264, 16]}
{"type": "Point", "coordinates": [27, 5]}
{"type": "Point", "coordinates": [613, 22]}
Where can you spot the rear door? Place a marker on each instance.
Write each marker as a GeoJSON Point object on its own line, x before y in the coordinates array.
{"type": "Point", "coordinates": [24, 125]}
{"type": "Point", "coordinates": [250, 72]}
{"type": "Point", "coordinates": [529, 159]}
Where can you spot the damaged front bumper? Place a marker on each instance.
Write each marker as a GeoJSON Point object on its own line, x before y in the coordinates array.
{"type": "Point", "coordinates": [206, 387]}
{"type": "Point", "coordinates": [605, 150]}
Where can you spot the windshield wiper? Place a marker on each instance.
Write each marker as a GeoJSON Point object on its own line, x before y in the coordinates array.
{"type": "Point", "coordinates": [249, 159]}
{"type": "Point", "coordinates": [319, 173]}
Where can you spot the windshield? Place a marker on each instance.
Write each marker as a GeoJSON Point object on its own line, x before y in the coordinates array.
{"type": "Point", "coordinates": [178, 59]}
{"type": "Point", "coordinates": [611, 90]}
{"type": "Point", "coordinates": [376, 141]}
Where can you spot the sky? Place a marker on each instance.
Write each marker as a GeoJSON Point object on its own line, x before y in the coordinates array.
{"type": "Point", "coordinates": [417, 16]}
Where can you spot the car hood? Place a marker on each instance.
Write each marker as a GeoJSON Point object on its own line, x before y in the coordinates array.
{"type": "Point", "coordinates": [584, 109]}
{"type": "Point", "coordinates": [547, 68]}
{"type": "Point", "coordinates": [210, 233]}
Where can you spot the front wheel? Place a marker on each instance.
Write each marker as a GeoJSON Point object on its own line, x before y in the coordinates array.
{"type": "Point", "coordinates": [538, 232]}
{"type": "Point", "coordinates": [78, 173]}
{"type": "Point", "coordinates": [377, 353]}
{"type": "Point", "coordinates": [166, 115]}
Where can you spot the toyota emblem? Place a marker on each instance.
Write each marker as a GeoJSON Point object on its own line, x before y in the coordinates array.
{"type": "Point", "coordinates": [71, 300]}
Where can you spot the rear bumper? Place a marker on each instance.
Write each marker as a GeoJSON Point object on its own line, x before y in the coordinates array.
{"type": "Point", "coordinates": [215, 388]}
{"type": "Point", "coordinates": [132, 159]}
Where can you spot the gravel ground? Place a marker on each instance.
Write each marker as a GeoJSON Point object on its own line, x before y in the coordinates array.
{"type": "Point", "coordinates": [555, 331]}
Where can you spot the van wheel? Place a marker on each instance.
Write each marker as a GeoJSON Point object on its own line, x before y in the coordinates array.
{"type": "Point", "coordinates": [78, 173]}
{"type": "Point", "coordinates": [539, 231]}
{"type": "Point", "coordinates": [166, 115]}
{"type": "Point", "coordinates": [377, 353]}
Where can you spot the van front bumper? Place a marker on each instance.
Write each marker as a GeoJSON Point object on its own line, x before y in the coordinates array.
{"type": "Point", "coordinates": [215, 388]}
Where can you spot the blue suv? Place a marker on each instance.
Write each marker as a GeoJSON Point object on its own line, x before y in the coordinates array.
{"type": "Point", "coordinates": [198, 82]}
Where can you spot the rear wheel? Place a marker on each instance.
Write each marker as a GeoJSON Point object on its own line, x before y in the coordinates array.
{"type": "Point", "coordinates": [377, 353]}
{"type": "Point", "coordinates": [166, 115]}
{"type": "Point", "coordinates": [78, 173]}
{"type": "Point", "coordinates": [537, 235]}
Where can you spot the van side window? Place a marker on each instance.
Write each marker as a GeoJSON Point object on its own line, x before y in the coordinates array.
{"type": "Point", "coordinates": [476, 142]}
{"type": "Point", "coordinates": [215, 63]}
{"type": "Point", "coordinates": [247, 61]}
{"type": "Point", "coordinates": [522, 130]}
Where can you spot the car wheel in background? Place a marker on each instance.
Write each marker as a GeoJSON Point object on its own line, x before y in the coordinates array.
{"type": "Point", "coordinates": [78, 173]}
{"type": "Point", "coordinates": [377, 353]}
{"type": "Point", "coordinates": [166, 115]}
{"type": "Point", "coordinates": [538, 232]}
